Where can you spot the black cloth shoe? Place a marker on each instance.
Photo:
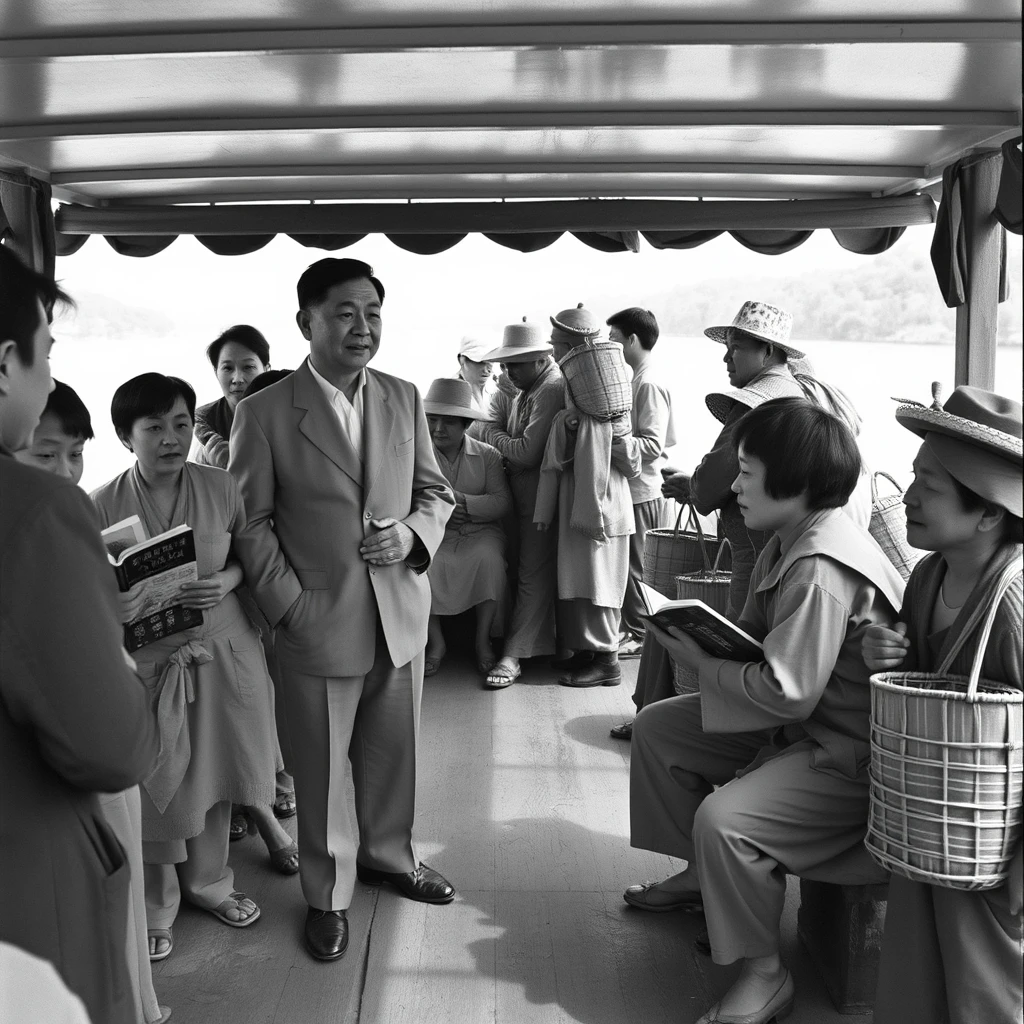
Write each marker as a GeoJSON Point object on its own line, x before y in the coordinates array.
{"type": "Point", "coordinates": [326, 933]}
{"type": "Point", "coordinates": [423, 884]}
{"type": "Point", "coordinates": [602, 671]}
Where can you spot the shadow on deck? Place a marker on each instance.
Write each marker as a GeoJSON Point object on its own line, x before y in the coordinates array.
{"type": "Point", "coordinates": [523, 806]}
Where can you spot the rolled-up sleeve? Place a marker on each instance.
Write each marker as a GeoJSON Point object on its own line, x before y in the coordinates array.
{"type": "Point", "coordinates": [800, 654]}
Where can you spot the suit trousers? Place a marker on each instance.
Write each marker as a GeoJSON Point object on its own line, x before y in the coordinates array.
{"type": "Point", "coordinates": [364, 728]}
{"type": "Point", "coordinates": [204, 877]}
{"type": "Point", "coordinates": [532, 630]}
{"type": "Point", "coordinates": [783, 816]}
{"type": "Point", "coordinates": [647, 515]}
{"type": "Point", "coordinates": [949, 955]}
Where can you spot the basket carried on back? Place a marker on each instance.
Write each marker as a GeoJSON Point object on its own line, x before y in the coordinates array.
{"type": "Point", "coordinates": [598, 381]}
{"type": "Point", "coordinates": [710, 585]}
{"type": "Point", "coordinates": [889, 527]}
{"type": "Point", "coordinates": [670, 552]}
{"type": "Point", "coordinates": [947, 768]}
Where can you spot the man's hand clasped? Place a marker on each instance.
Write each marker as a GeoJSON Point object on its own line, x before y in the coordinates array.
{"type": "Point", "coordinates": [392, 545]}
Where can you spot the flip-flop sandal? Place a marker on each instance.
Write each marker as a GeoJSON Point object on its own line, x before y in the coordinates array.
{"type": "Point", "coordinates": [221, 915]}
{"type": "Point", "coordinates": [241, 826]}
{"type": "Point", "coordinates": [161, 933]}
{"type": "Point", "coordinates": [286, 860]}
{"type": "Point", "coordinates": [499, 677]}
{"type": "Point", "coordinates": [284, 805]}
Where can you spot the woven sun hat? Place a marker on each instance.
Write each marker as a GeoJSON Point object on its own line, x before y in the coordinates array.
{"type": "Point", "coordinates": [761, 321]}
{"type": "Point", "coordinates": [976, 436]}
{"type": "Point", "coordinates": [449, 396]}
{"type": "Point", "coordinates": [474, 349]}
{"type": "Point", "coordinates": [579, 324]}
{"type": "Point", "coordinates": [778, 384]}
{"type": "Point", "coordinates": [521, 343]}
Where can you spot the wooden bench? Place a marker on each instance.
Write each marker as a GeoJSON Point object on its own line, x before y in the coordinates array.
{"type": "Point", "coordinates": [840, 922]}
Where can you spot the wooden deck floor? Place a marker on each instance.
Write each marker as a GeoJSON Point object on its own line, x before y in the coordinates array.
{"type": "Point", "coordinates": [523, 806]}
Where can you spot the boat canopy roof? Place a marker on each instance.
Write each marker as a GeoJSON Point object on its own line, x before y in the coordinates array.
{"type": "Point", "coordinates": [424, 117]}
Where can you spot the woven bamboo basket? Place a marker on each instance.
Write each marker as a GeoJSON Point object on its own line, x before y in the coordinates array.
{"type": "Point", "coordinates": [710, 585]}
{"type": "Point", "coordinates": [889, 527]}
{"type": "Point", "coordinates": [598, 380]}
{"type": "Point", "coordinates": [670, 552]}
{"type": "Point", "coordinates": [947, 767]}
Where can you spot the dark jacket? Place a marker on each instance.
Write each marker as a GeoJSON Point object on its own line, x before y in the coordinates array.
{"type": "Point", "coordinates": [74, 721]}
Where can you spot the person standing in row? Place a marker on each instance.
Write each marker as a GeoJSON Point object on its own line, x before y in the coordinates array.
{"type": "Point", "coordinates": [520, 431]}
{"type": "Point", "coordinates": [346, 507]}
{"type": "Point", "coordinates": [636, 330]}
{"type": "Point", "coordinates": [75, 721]}
{"type": "Point", "coordinates": [477, 371]}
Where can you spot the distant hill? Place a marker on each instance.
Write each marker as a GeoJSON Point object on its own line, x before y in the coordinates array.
{"type": "Point", "coordinates": [888, 299]}
{"type": "Point", "coordinates": [101, 316]}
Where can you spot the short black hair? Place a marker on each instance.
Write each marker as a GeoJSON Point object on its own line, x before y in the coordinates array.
{"type": "Point", "coordinates": [972, 501]}
{"type": "Point", "coordinates": [804, 449]}
{"type": "Point", "coordinates": [245, 335]}
{"type": "Point", "coordinates": [149, 394]}
{"type": "Point", "coordinates": [264, 380]}
{"type": "Point", "coordinates": [70, 410]}
{"type": "Point", "coordinates": [318, 279]}
{"type": "Point", "coordinates": [20, 287]}
{"type": "Point", "coordinates": [640, 322]}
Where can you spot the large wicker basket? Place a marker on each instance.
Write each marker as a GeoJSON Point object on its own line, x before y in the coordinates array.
{"type": "Point", "coordinates": [710, 585]}
{"type": "Point", "coordinates": [947, 766]}
{"type": "Point", "coordinates": [671, 552]}
{"type": "Point", "coordinates": [889, 527]}
{"type": "Point", "coordinates": [598, 380]}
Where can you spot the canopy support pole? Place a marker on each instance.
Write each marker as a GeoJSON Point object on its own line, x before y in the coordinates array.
{"type": "Point", "coordinates": [977, 316]}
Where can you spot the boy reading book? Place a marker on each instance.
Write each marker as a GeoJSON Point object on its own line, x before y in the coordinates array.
{"type": "Point", "coordinates": [949, 954]}
{"type": "Point", "coordinates": [793, 725]}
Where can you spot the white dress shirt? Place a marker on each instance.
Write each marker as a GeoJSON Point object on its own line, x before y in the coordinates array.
{"type": "Point", "coordinates": [350, 414]}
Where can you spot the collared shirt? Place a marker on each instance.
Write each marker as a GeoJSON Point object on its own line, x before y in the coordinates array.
{"type": "Point", "coordinates": [654, 429]}
{"type": "Point", "coordinates": [350, 414]}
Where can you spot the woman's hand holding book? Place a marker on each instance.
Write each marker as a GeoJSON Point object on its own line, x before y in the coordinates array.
{"type": "Point", "coordinates": [683, 649]}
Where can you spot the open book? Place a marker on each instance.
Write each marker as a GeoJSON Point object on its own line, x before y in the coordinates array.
{"type": "Point", "coordinates": [714, 632]}
{"type": "Point", "coordinates": [155, 568]}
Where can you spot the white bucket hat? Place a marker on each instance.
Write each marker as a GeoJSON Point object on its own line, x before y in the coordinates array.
{"type": "Point", "coordinates": [763, 322]}
{"type": "Point", "coordinates": [474, 349]}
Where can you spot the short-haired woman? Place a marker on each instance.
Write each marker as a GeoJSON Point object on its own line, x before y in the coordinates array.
{"type": "Point", "coordinates": [795, 724]}
{"type": "Point", "coordinates": [468, 569]}
{"type": "Point", "coordinates": [209, 683]}
{"type": "Point", "coordinates": [238, 357]}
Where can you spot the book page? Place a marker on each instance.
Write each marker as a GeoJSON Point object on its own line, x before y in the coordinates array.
{"type": "Point", "coordinates": [122, 536]}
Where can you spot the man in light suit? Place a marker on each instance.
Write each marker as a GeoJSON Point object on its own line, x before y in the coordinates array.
{"type": "Point", "coordinates": [345, 507]}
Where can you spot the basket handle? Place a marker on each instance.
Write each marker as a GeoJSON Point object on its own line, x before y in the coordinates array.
{"type": "Point", "coordinates": [1009, 574]}
{"type": "Point", "coordinates": [721, 547]}
{"type": "Point", "coordinates": [874, 483]}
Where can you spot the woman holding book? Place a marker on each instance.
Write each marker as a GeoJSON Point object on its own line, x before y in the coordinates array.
{"type": "Point", "coordinates": [793, 726]}
{"type": "Point", "coordinates": [948, 954]}
{"type": "Point", "coordinates": [209, 682]}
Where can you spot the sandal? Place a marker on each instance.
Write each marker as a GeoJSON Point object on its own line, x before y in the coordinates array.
{"type": "Point", "coordinates": [234, 901]}
{"type": "Point", "coordinates": [431, 664]}
{"type": "Point", "coordinates": [502, 675]}
{"type": "Point", "coordinates": [286, 860]}
{"type": "Point", "coordinates": [284, 804]}
{"type": "Point", "coordinates": [241, 826]}
{"type": "Point", "coordinates": [161, 933]}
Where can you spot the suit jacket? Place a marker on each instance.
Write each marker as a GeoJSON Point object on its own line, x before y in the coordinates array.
{"type": "Point", "coordinates": [74, 719]}
{"type": "Point", "coordinates": [309, 500]}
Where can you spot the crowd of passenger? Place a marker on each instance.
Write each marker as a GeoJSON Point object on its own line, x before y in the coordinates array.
{"type": "Point", "coordinates": [343, 524]}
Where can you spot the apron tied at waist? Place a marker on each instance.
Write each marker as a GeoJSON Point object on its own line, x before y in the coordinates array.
{"type": "Point", "coordinates": [175, 690]}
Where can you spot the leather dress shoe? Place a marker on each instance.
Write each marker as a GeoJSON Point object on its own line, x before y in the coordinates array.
{"type": "Point", "coordinates": [326, 933]}
{"type": "Point", "coordinates": [647, 896]}
{"type": "Point", "coordinates": [423, 884]}
{"type": "Point", "coordinates": [779, 1006]}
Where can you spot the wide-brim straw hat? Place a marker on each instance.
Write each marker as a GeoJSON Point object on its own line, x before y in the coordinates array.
{"type": "Point", "coordinates": [579, 323]}
{"type": "Point", "coordinates": [521, 343]}
{"type": "Point", "coordinates": [449, 396]}
{"type": "Point", "coordinates": [760, 390]}
{"type": "Point", "coordinates": [764, 323]}
{"type": "Point", "coordinates": [976, 436]}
